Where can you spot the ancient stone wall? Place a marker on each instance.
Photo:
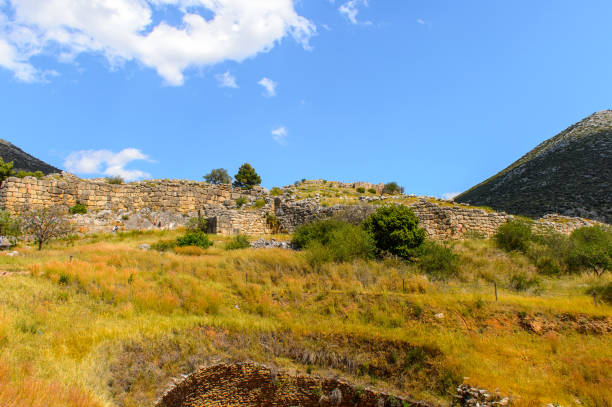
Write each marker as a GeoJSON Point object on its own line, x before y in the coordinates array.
{"type": "Point", "coordinates": [250, 384]}
{"type": "Point", "coordinates": [185, 197]}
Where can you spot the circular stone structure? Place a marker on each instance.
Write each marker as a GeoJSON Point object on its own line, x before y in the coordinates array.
{"type": "Point", "coordinates": [252, 384]}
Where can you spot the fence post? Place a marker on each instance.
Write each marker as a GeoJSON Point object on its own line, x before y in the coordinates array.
{"type": "Point", "coordinates": [403, 285]}
{"type": "Point", "coordinates": [595, 298]}
{"type": "Point", "coordinates": [495, 285]}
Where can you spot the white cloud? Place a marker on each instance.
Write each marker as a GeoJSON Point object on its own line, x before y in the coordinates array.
{"type": "Point", "coordinates": [280, 135]}
{"type": "Point", "coordinates": [423, 22]}
{"type": "Point", "coordinates": [269, 86]}
{"type": "Point", "coordinates": [130, 30]}
{"type": "Point", "coordinates": [105, 162]}
{"type": "Point", "coordinates": [227, 80]}
{"type": "Point", "coordinates": [450, 195]}
{"type": "Point", "coordinates": [350, 9]}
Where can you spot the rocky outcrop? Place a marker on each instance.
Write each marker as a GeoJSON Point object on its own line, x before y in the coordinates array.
{"type": "Point", "coordinates": [569, 174]}
{"type": "Point", "coordinates": [23, 161]}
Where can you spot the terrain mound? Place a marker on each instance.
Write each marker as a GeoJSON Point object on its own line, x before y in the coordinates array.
{"type": "Point", "coordinates": [23, 161]}
{"type": "Point", "coordinates": [569, 174]}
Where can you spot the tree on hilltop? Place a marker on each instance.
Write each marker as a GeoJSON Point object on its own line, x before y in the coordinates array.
{"type": "Point", "coordinates": [392, 188]}
{"type": "Point", "coordinates": [246, 177]}
{"type": "Point", "coordinates": [218, 176]}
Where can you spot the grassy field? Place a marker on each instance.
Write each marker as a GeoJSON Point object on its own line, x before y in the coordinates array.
{"type": "Point", "coordinates": [100, 322]}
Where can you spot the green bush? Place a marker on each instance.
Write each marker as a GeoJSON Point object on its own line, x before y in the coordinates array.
{"type": "Point", "coordinates": [164, 245]}
{"type": "Point", "coordinates": [395, 229]}
{"type": "Point", "coordinates": [78, 208]}
{"type": "Point", "coordinates": [521, 281]}
{"type": "Point", "coordinates": [333, 241]}
{"type": "Point", "coordinates": [393, 188]}
{"type": "Point", "coordinates": [194, 238]}
{"type": "Point", "coordinates": [276, 191]}
{"type": "Point", "coordinates": [514, 235]}
{"type": "Point", "coordinates": [438, 261]}
{"type": "Point", "coordinates": [218, 176]}
{"type": "Point", "coordinates": [260, 203]}
{"type": "Point", "coordinates": [591, 249]}
{"type": "Point", "coordinates": [240, 202]}
{"type": "Point", "coordinates": [116, 180]}
{"type": "Point", "coordinates": [238, 242]}
{"type": "Point", "coordinates": [6, 170]}
{"type": "Point", "coordinates": [9, 225]}
{"type": "Point", "coordinates": [35, 174]}
{"type": "Point", "coordinates": [361, 190]}
{"type": "Point", "coordinates": [197, 224]}
{"type": "Point", "coordinates": [372, 190]}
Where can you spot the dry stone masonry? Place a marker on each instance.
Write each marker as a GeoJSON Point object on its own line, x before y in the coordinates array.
{"type": "Point", "coordinates": [171, 203]}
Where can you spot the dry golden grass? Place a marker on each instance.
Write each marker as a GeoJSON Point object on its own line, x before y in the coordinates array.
{"type": "Point", "coordinates": [113, 324]}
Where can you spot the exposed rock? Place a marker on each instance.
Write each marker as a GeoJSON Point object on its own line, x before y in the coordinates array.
{"type": "Point", "coordinates": [23, 161]}
{"type": "Point", "coordinates": [269, 244]}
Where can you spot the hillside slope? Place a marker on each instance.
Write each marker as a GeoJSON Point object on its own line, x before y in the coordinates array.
{"type": "Point", "coordinates": [570, 174]}
{"type": "Point", "coordinates": [24, 161]}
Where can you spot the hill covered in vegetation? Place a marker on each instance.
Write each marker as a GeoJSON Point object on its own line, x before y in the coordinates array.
{"type": "Point", "coordinates": [569, 174]}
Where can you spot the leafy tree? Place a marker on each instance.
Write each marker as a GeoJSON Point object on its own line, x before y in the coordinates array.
{"type": "Point", "coordinates": [218, 176]}
{"type": "Point", "coordinates": [6, 169]}
{"type": "Point", "coordinates": [44, 224]}
{"type": "Point", "coordinates": [393, 188]}
{"type": "Point", "coordinates": [395, 229]}
{"type": "Point", "coordinates": [246, 177]}
{"type": "Point", "coordinates": [592, 249]}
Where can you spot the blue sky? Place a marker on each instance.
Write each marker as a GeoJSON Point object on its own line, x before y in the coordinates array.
{"type": "Point", "coordinates": [436, 95]}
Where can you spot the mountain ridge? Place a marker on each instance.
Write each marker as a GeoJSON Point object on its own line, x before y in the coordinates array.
{"type": "Point", "coordinates": [569, 174]}
{"type": "Point", "coordinates": [23, 161]}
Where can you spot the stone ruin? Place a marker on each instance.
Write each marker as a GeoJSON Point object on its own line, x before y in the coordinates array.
{"type": "Point", "coordinates": [169, 204]}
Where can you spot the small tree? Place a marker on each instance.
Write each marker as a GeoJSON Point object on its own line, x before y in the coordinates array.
{"type": "Point", "coordinates": [6, 170]}
{"type": "Point", "coordinates": [395, 229]}
{"type": "Point", "coordinates": [246, 177]}
{"type": "Point", "coordinates": [592, 249]}
{"type": "Point", "coordinates": [9, 226]}
{"type": "Point", "coordinates": [45, 224]}
{"type": "Point", "coordinates": [392, 188]}
{"type": "Point", "coordinates": [218, 176]}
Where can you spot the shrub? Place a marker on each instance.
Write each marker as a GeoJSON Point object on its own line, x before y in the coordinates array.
{"type": "Point", "coordinates": [395, 229]}
{"type": "Point", "coordinates": [392, 188]}
{"type": "Point", "coordinates": [78, 208]}
{"type": "Point", "coordinates": [164, 245]}
{"type": "Point", "coordinates": [521, 281]}
{"type": "Point", "coordinates": [246, 177]}
{"type": "Point", "coordinates": [197, 224]}
{"type": "Point", "coordinates": [361, 190]}
{"type": "Point", "coordinates": [238, 242]}
{"type": "Point", "coordinates": [276, 191]}
{"type": "Point", "coordinates": [116, 180]}
{"type": "Point", "coordinates": [240, 202]}
{"type": "Point", "coordinates": [35, 174]}
{"type": "Point", "coordinates": [591, 249]}
{"type": "Point", "coordinates": [438, 261]}
{"type": "Point", "coordinates": [260, 203]}
{"type": "Point", "coordinates": [218, 176]}
{"type": "Point", "coordinates": [514, 235]}
{"type": "Point", "coordinates": [9, 226]}
{"type": "Point", "coordinates": [333, 241]}
{"type": "Point", "coordinates": [372, 190]}
{"type": "Point", "coordinates": [194, 238]}
{"type": "Point", "coordinates": [6, 170]}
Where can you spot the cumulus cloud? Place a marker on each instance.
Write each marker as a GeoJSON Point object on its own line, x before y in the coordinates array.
{"type": "Point", "coordinates": [269, 86]}
{"type": "Point", "coordinates": [105, 162]}
{"type": "Point", "coordinates": [209, 32]}
{"type": "Point", "coordinates": [450, 195]}
{"type": "Point", "coordinates": [226, 80]}
{"type": "Point", "coordinates": [280, 135]}
{"type": "Point", "coordinates": [350, 9]}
